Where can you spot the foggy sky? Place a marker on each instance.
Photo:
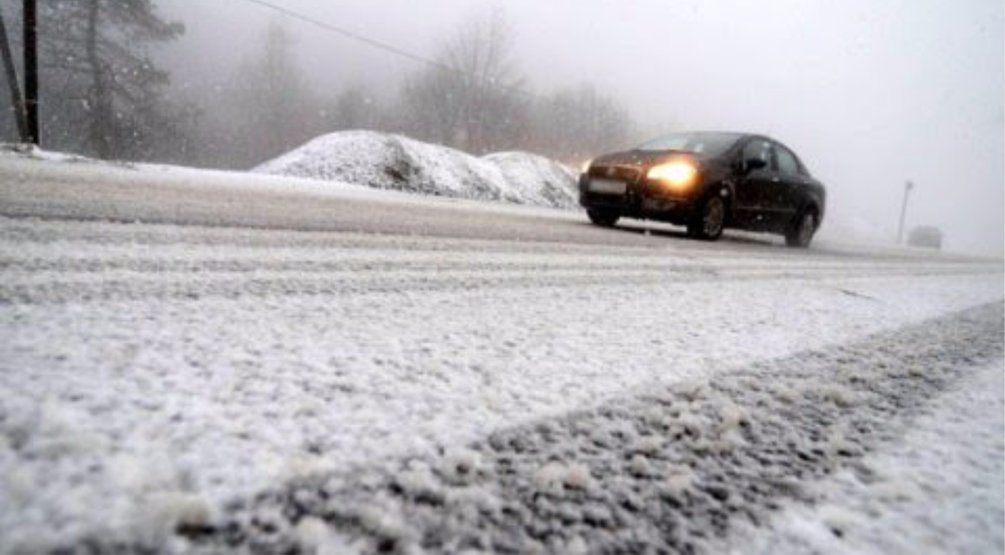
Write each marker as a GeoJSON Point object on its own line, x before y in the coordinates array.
{"type": "Point", "coordinates": [869, 93]}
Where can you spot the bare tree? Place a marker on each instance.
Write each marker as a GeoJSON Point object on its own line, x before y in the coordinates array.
{"type": "Point", "coordinates": [576, 123]}
{"type": "Point", "coordinates": [355, 108]}
{"type": "Point", "coordinates": [471, 99]}
{"type": "Point", "coordinates": [274, 106]}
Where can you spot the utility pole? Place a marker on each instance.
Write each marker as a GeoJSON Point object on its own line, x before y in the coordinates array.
{"type": "Point", "coordinates": [31, 70]}
{"type": "Point", "coordinates": [17, 101]}
{"type": "Point", "coordinates": [903, 211]}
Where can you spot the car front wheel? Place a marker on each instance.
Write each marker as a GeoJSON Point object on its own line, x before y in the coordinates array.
{"type": "Point", "coordinates": [605, 218]}
{"type": "Point", "coordinates": [709, 221]}
{"type": "Point", "coordinates": [800, 235]}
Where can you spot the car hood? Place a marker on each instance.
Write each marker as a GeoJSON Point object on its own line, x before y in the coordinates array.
{"type": "Point", "coordinates": [639, 157]}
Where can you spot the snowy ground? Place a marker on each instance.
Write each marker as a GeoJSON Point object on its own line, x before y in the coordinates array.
{"type": "Point", "coordinates": [242, 368]}
{"type": "Point", "coordinates": [937, 488]}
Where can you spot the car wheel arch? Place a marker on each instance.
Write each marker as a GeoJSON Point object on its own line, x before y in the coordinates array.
{"type": "Point", "coordinates": [811, 208]}
{"type": "Point", "coordinates": [718, 191]}
{"type": "Point", "coordinates": [724, 189]}
{"type": "Point", "coordinates": [796, 234]}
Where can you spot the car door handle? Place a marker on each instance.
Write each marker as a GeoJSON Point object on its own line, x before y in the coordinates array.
{"type": "Point", "coordinates": [776, 179]}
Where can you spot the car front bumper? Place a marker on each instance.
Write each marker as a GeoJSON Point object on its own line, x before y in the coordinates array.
{"type": "Point", "coordinates": [638, 201]}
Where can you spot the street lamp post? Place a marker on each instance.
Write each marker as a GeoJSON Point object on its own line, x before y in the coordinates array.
{"type": "Point", "coordinates": [903, 211]}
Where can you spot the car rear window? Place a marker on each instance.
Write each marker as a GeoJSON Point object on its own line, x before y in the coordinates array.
{"type": "Point", "coordinates": [787, 163]}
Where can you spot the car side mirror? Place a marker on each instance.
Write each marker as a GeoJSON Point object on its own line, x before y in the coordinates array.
{"type": "Point", "coordinates": [753, 164]}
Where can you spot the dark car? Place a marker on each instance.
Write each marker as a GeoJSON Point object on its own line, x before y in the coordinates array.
{"type": "Point", "coordinates": [707, 182]}
{"type": "Point", "coordinates": [927, 236]}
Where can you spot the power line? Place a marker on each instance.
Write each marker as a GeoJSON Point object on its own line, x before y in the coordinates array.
{"type": "Point", "coordinates": [380, 45]}
{"type": "Point", "coordinates": [350, 34]}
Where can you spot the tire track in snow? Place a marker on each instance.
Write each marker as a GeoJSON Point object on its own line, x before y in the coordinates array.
{"type": "Point", "coordinates": [378, 261]}
{"type": "Point", "coordinates": [937, 488]}
{"type": "Point", "coordinates": [121, 286]}
{"type": "Point", "coordinates": [18, 232]}
{"type": "Point", "coordinates": [62, 266]}
{"type": "Point", "coordinates": [670, 469]}
{"type": "Point", "coordinates": [56, 264]}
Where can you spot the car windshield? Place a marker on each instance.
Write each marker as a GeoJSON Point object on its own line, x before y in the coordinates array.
{"type": "Point", "coordinates": [706, 144]}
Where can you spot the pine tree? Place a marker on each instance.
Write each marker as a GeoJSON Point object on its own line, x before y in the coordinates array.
{"type": "Point", "coordinates": [102, 95]}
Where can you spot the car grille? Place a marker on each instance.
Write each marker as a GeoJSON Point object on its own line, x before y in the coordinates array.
{"type": "Point", "coordinates": [628, 174]}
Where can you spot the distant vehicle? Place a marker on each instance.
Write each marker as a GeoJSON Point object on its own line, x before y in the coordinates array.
{"type": "Point", "coordinates": [707, 182]}
{"type": "Point", "coordinates": [925, 236]}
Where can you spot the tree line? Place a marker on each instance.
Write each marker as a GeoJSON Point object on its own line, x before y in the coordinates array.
{"type": "Point", "coordinates": [105, 96]}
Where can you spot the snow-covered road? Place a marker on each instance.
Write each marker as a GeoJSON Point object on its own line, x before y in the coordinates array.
{"type": "Point", "coordinates": [184, 353]}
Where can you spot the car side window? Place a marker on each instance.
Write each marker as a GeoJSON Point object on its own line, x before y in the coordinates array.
{"type": "Point", "coordinates": [758, 149]}
{"type": "Point", "coordinates": [787, 162]}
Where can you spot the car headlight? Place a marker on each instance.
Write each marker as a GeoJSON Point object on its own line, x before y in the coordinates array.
{"type": "Point", "coordinates": [677, 174]}
{"type": "Point", "coordinates": [586, 166]}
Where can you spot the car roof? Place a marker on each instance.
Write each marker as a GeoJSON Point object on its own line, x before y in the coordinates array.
{"type": "Point", "coordinates": [739, 135]}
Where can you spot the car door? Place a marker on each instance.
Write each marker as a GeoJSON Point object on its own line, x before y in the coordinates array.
{"type": "Point", "coordinates": [756, 188]}
{"type": "Point", "coordinates": [793, 182]}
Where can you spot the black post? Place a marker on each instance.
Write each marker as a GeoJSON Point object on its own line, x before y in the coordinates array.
{"type": "Point", "coordinates": [17, 101]}
{"type": "Point", "coordinates": [31, 70]}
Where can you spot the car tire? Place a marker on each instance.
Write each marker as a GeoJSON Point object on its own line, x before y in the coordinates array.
{"type": "Point", "coordinates": [800, 233]}
{"type": "Point", "coordinates": [603, 218]}
{"type": "Point", "coordinates": [709, 220]}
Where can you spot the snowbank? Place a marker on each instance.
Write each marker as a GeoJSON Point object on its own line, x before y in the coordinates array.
{"type": "Point", "coordinates": [395, 162]}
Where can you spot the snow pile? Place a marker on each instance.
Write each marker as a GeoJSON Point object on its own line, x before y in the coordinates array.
{"type": "Point", "coordinates": [534, 175]}
{"type": "Point", "coordinates": [395, 162]}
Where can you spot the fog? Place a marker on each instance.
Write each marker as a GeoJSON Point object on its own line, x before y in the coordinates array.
{"type": "Point", "coordinates": [870, 94]}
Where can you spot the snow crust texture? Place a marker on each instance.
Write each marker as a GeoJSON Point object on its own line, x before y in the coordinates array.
{"type": "Point", "coordinates": [159, 373]}
{"type": "Point", "coordinates": [937, 488]}
{"type": "Point", "coordinates": [672, 469]}
{"type": "Point", "coordinates": [276, 347]}
{"type": "Point", "coordinates": [398, 163]}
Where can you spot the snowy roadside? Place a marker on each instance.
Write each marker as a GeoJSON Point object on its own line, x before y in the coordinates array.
{"type": "Point", "coordinates": [160, 372]}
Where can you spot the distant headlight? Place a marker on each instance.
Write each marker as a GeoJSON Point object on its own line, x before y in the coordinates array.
{"type": "Point", "coordinates": [586, 166]}
{"type": "Point", "coordinates": [678, 175]}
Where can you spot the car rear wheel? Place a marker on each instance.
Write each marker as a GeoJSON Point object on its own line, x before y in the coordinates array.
{"type": "Point", "coordinates": [605, 218]}
{"type": "Point", "coordinates": [800, 234]}
{"type": "Point", "coordinates": [709, 221]}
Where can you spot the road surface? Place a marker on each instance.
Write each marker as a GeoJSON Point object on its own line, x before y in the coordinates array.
{"type": "Point", "coordinates": [204, 361]}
